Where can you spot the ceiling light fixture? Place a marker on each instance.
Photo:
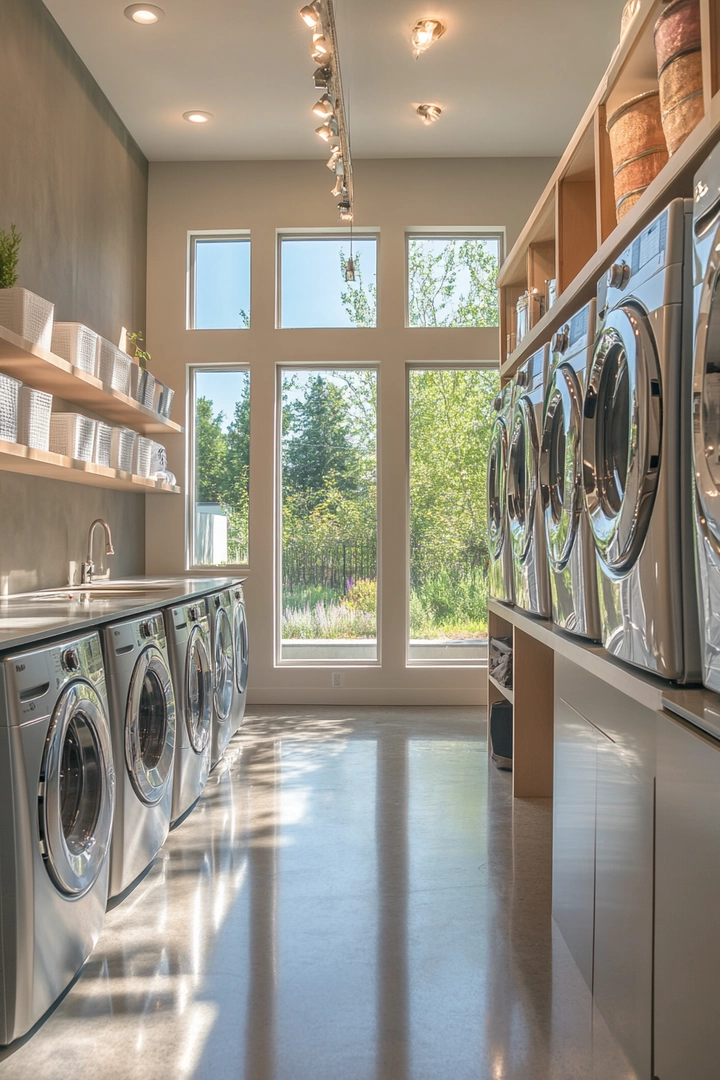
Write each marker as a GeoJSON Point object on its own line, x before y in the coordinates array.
{"type": "Point", "coordinates": [345, 209]}
{"type": "Point", "coordinates": [310, 14]}
{"type": "Point", "coordinates": [324, 108]}
{"type": "Point", "coordinates": [339, 191]}
{"type": "Point", "coordinates": [429, 113]}
{"type": "Point", "coordinates": [144, 14]}
{"type": "Point", "coordinates": [323, 78]}
{"type": "Point", "coordinates": [335, 162]}
{"type": "Point", "coordinates": [195, 116]}
{"type": "Point", "coordinates": [328, 131]}
{"type": "Point", "coordinates": [321, 49]}
{"type": "Point", "coordinates": [425, 33]}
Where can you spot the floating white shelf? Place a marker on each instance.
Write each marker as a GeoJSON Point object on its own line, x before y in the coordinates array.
{"type": "Point", "coordinates": [22, 459]}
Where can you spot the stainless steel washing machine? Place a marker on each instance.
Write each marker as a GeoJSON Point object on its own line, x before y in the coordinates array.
{"type": "Point", "coordinates": [188, 640]}
{"type": "Point", "coordinates": [57, 795]}
{"type": "Point", "coordinates": [568, 537]}
{"type": "Point", "coordinates": [500, 570]}
{"type": "Point", "coordinates": [220, 614]}
{"type": "Point", "coordinates": [531, 581]}
{"type": "Point", "coordinates": [636, 452]}
{"type": "Point", "coordinates": [242, 656]}
{"type": "Point", "coordinates": [142, 723]}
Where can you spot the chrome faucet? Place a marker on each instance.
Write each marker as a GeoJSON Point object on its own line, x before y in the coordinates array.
{"type": "Point", "coordinates": [88, 567]}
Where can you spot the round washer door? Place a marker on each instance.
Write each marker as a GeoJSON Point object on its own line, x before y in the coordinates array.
{"type": "Point", "coordinates": [497, 487]}
{"type": "Point", "coordinates": [76, 797]}
{"type": "Point", "coordinates": [150, 726]}
{"type": "Point", "coordinates": [621, 437]}
{"type": "Point", "coordinates": [522, 477]}
{"type": "Point", "coordinates": [198, 690]}
{"type": "Point", "coordinates": [706, 396]}
{"type": "Point", "coordinates": [560, 472]}
{"type": "Point", "coordinates": [242, 649]}
{"type": "Point", "coordinates": [224, 666]}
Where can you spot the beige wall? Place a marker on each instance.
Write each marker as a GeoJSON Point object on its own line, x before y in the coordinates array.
{"type": "Point", "coordinates": [75, 184]}
{"type": "Point", "coordinates": [265, 197]}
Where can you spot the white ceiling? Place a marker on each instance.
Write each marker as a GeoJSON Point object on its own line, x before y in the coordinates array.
{"type": "Point", "coordinates": [512, 77]}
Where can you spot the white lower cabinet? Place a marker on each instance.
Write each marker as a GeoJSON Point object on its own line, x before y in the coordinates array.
{"type": "Point", "coordinates": [687, 904]}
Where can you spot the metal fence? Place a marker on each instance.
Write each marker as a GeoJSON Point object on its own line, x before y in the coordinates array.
{"type": "Point", "coordinates": [332, 566]}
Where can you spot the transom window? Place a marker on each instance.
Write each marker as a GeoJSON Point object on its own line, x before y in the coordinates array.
{"type": "Point", "coordinates": [452, 280]}
{"type": "Point", "coordinates": [314, 288]}
{"type": "Point", "coordinates": [219, 282]}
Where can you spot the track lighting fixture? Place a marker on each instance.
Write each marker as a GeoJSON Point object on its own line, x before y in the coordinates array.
{"type": "Point", "coordinates": [345, 209]}
{"type": "Point", "coordinates": [321, 49]}
{"type": "Point", "coordinates": [310, 14]}
{"type": "Point", "coordinates": [350, 269]}
{"type": "Point", "coordinates": [325, 107]}
{"type": "Point", "coordinates": [335, 161]}
{"type": "Point", "coordinates": [429, 113]}
{"type": "Point", "coordinates": [328, 131]}
{"type": "Point", "coordinates": [323, 78]}
{"type": "Point", "coordinates": [339, 191]}
{"type": "Point", "coordinates": [425, 33]}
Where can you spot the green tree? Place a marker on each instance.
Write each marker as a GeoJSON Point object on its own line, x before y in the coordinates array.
{"type": "Point", "coordinates": [434, 273]}
{"type": "Point", "coordinates": [359, 300]}
{"type": "Point", "coordinates": [319, 454]}
{"type": "Point", "coordinates": [210, 453]}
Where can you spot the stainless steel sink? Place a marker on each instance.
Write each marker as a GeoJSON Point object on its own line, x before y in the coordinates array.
{"type": "Point", "coordinates": [87, 593]}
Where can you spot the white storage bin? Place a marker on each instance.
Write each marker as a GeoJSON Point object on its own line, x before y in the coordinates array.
{"type": "Point", "coordinates": [114, 366]}
{"type": "Point", "coordinates": [27, 315]}
{"type": "Point", "coordinates": [34, 410]}
{"type": "Point", "coordinates": [158, 459]}
{"type": "Point", "coordinates": [143, 453]}
{"type": "Point", "coordinates": [9, 389]}
{"type": "Point", "coordinates": [122, 449]}
{"type": "Point", "coordinates": [72, 435]}
{"type": "Point", "coordinates": [163, 400]}
{"type": "Point", "coordinates": [76, 344]}
{"type": "Point", "coordinates": [102, 451]}
{"type": "Point", "coordinates": [142, 385]}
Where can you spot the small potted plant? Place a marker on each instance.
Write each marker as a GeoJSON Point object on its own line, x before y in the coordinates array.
{"type": "Point", "coordinates": [142, 382]}
{"type": "Point", "coordinates": [21, 311]}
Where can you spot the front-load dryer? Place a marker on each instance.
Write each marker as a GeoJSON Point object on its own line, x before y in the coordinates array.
{"type": "Point", "coordinates": [568, 537]}
{"type": "Point", "coordinates": [531, 581]}
{"type": "Point", "coordinates": [500, 571]}
{"type": "Point", "coordinates": [225, 697]}
{"type": "Point", "coordinates": [636, 452]}
{"type": "Point", "coordinates": [188, 641]}
{"type": "Point", "coordinates": [57, 795]}
{"type": "Point", "coordinates": [142, 722]}
{"type": "Point", "coordinates": [242, 655]}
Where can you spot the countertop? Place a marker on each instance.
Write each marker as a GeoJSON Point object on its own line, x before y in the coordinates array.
{"type": "Point", "coordinates": [26, 618]}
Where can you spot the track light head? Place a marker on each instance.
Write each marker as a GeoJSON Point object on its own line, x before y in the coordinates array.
{"type": "Point", "coordinates": [345, 209]}
{"type": "Point", "coordinates": [339, 191]}
{"type": "Point", "coordinates": [310, 14]}
{"type": "Point", "coordinates": [323, 78]}
{"type": "Point", "coordinates": [324, 108]}
{"type": "Point", "coordinates": [321, 49]}
{"type": "Point", "coordinates": [328, 131]}
{"type": "Point", "coordinates": [425, 33]}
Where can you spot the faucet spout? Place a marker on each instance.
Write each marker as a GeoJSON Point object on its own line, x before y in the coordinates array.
{"type": "Point", "coordinates": [88, 568]}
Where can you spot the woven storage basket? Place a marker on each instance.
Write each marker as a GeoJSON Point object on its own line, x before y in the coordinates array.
{"type": "Point", "coordinates": [143, 453]}
{"type": "Point", "coordinates": [34, 410]}
{"type": "Point", "coordinates": [122, 447]}
{"type": "Point", "coordinates": [27, 315]}
{"type": "Point", "coordinates": [76, 344]}
{"type": "Point", "coordinates": [142, 385]}
{"type": "Point", "coordinates": [638, 148]}
{"type": "Point", "coordinates": [679, 63]}
{"type": "Point", "coordinates": [9, 389]}
{"type": "Point", "coordinates": [114, 366]}
{"type": "Point", "coordinates": [72, 435]}
{"type": "Point", "coordinates": [102, 450]}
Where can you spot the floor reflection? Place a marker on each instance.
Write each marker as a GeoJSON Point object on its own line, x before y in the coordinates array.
{"type": "Point", "coordinates": [355, 897]}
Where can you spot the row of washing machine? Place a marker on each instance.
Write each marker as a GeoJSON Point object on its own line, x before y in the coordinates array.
{"type": "Point", "coordinates": [106, 740]}
{"type": "Point", "coordinates": [604, 468]}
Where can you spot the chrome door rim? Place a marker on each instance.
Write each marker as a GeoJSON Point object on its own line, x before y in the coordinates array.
{"type": "Point", "coordinates": [197, 721]}
{"type": "Point", "coordinates": [75, 872]}
{"type": "Point", "coordinates": [562, 511]}
{"type": "Point", "coordinates": [496, 487]}
{"type": "Point", "coordinates": [620, 533]}
{"type": "Point", "coordinates": [241, 647]}
{"type": "Point", "coordinates": [521, 504]}
{"type": "Point", "coordinates": [149, 781]}
{"type": "Point", "coordinates": [224, 675]}
{"type": "Point", "coordinates": [706, 487]}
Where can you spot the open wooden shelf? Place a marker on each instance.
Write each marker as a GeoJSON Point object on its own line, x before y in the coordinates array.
{"type": "Point", "coordinates": [23, 459]}
{"type": "Point", "coordinates": [506, 691]}
{"type": "Point", "coordinates": [44, 371]}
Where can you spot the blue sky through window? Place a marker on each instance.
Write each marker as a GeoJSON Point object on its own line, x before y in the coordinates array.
{"type": "Point", "coordinates": [222, 284]}
{"type": "Point", "coordinates": [312, 282]}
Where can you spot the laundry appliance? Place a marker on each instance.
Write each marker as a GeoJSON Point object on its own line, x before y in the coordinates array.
{"type": "Point", "coordinates": [142, 722]}
{"type": "Point", "coordinates": [500, 571]}
{"type": "Point", "coordinates": [57, 795]}
{"type": "Point", "coordinates": [188, 642]}
{"type": "Point", "coordinates": [242, 655]}
{"type": "Point", "coordinates": [531, 579]}
{"type": "Point", "coordinates": [636, 452]}
{"type": "Point", "coordinates": [225, 697]}
{"type": "Point", "coordinates": [568, 537]}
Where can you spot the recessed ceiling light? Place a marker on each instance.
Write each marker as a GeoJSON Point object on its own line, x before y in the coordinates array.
{"type": "Point", "coordinates": [425, 33]}
{"type": "Point", "coordinates": [144, 14]}
{"type": "Point", "coordinates": [195, 116]}
{"type": "Point", "coordinates": [429, 113]}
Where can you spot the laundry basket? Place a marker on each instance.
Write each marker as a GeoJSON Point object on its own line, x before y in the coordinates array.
{"type": "Point", "coordinates": [72, 435]}
{"type": "Point", "coordinates": [102, 450]}
{"type": "Point", "coordinates": [76, 344]}
{"type": "Point", "coordinates": [142, 385]}
{"type": "Point", "coordinates": [27, 315]}
{"type": "Point", "coordinates": [143, 454]}
{"type": "Point", "coordinates": [114, 366]}
{"type": "Point", "coordinates": [122, 446]}
{"type": "Point", "coordinates": [9, 388]}
{"type": "Point", "coordinates": [34, 411]}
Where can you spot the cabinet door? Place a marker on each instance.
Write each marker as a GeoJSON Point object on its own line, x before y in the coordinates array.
{"type": "Point", "coordinates": [687, 901]}
{"type": "Point", "coordinates": [573, 888]}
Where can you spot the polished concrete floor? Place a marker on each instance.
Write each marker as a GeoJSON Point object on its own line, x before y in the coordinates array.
{"type": "Point", "coordinates": [355, 897]}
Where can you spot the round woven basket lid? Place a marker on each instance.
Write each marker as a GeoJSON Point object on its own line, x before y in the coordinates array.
{"type": "Point", "coordinates": [628, 105]}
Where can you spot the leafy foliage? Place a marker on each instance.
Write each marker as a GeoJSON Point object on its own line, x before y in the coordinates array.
{"type": "Point", "coordinates": [9, 256]}
{"type": "Point", "coordinates": [437, 273]}
{"type": "Point", "coordinates": [222, 467]}
{"type": "Point", "coordinates": [143, 358]}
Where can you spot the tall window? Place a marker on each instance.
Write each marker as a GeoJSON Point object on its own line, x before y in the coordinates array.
{"type": "Point", "coordinates": [221, 466]}
{"type": "Point", "coordinates": [220, 277]}
{"type": "Point", "coordinates": [329, 514]}
{"type": "Point", "coordinates": [451, 415]}
{"type": "Point", "coordinates": [314, 290]}
{"type": "Point", "coordinates": [451, 280]}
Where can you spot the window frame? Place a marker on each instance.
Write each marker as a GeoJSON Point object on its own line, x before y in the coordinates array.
{"type": "Point", "coordinates": [228, 235]}
{"type": "Point", "coordinates": [494, 232]}
{"type": "Point", "coordinates": [364, 233]}
{"type": "Point", "coordinates": [190, 493]}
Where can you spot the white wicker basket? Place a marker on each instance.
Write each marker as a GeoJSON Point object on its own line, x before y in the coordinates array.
{"type": "Point", "coordinates": [9, 388]}
{"type": "Point", "coordinates": [76, 344]}
{"type": "Point", "coordinates": [113, 366]}
{"type": "Point", "coordinates": [27, 315]}
{"type": "Point", "coordinates": [143, 454]}
{"type": "Point", "coordinates": [72, 435]}
{"type": "Point", "coordinates": [122, 448]}
{"type": "Point", "coordinates": [34, 409]}
{"type": "Point", "coordinates": [163, 399]}
{"type": "Point", "coordinates": [102, 450]}
{"type": "Point", "coordinates": [142, 385]}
